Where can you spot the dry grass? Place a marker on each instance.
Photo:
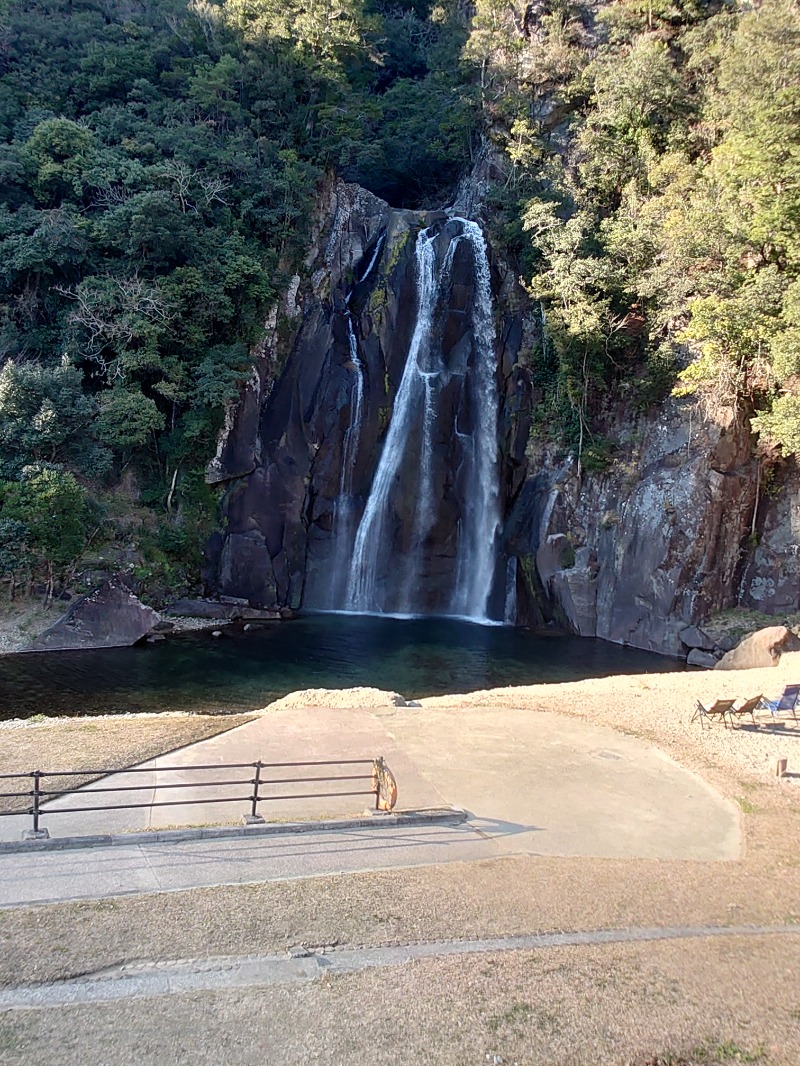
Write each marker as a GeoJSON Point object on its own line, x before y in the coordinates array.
{"type": "Point", "coordinates": [107, 742]}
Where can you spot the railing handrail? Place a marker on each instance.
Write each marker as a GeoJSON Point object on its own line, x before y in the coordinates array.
{"type": "Point", "coordinates": [376, 776]}
{"type": "Point", "coordinates": [169, 769]}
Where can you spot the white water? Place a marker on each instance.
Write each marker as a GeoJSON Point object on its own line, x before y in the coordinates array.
{"type": "Point", "coordinates": [374, 260]}
{"type": "Point", "coordinates": [418, 398]}
{"type": "Point", "coordinates": [481, 522]}
{"type": "Point", "coordinates": [352, 437]}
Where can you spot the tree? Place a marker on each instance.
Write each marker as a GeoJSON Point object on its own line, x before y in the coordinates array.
{"type": "Point", "coordinates": [55, 510]}
{"type": "Point", "coordinates": [127, 418]}
{"type": "Point", "coordinates": [45, 415]}
{"type": "Point", "coordinates": [57, 153]}
{"type": "Point", "coordinates": [15, 557]}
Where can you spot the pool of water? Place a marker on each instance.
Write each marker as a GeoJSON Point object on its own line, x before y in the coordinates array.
{"type": "Point", "coordinates": [239, 671]}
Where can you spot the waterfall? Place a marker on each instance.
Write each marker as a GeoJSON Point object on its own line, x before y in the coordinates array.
{"type": "Point", "coordinates": [476, 547]}
{"type": "Point", "coordinates": [344, 509]}
{"type": "Point", "coordinates": [352, 436]}
{"type": "Point", "coordinates": [375, 255]}
{"type": "Point", "coordinates": [397, 584]}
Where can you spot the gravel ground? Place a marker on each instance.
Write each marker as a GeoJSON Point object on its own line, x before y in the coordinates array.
{"type": "Point", "coordinates": [337, 697]}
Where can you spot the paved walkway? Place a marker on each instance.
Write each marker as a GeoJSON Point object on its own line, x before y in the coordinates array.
{"type": "Point", "coordinates": [145, 980]}
{"type": "Point", "coordinates": [537, 784]}
{"type": "Point", "coordinates": [146, 867]}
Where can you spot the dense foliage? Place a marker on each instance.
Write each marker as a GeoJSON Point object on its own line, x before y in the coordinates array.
{"type": "Point", "coordinates": [652, 193]}
{"type": "Point", "coordinates": [158, 164]}
{"type": "Point", "coordinates": [159, 160]}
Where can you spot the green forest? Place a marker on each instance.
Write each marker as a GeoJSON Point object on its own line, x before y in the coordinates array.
{"type": "Point", "coordinates": [159, 167]}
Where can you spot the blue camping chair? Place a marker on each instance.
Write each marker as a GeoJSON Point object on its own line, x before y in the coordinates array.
{"type": "Point", "coordinates": [786, 703]}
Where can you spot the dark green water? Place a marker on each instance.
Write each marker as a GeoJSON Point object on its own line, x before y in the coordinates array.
{"type": "Point", "coordinates": [239, 671]}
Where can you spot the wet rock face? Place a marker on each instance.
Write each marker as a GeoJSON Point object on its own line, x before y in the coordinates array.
{"type": "Point", "coordinates": [283, 451]}
{"type": "Point", "coordinates": [647, 549]}
{"type": "Point", "coordinates": [771, 581]}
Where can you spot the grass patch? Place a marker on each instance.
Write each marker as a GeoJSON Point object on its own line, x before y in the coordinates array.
{"type": "Point", "coordinates": [747, 807]}
{"type": "Point", "coordinates": [711, 1053]}
{"type": "Point", "coordinates": [740, 622]}
{"type": "Point", "coordinates": [522, 1016]}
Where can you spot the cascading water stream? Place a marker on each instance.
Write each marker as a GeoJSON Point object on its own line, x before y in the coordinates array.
{"type": "Point", "coordinates": [418, 398]}
{"type": "Point", "coordinates": [375, 256]}
{"type": "Point", "coordinates": [344, 509]}
{"type": "Point", "coordinates": [352, 437]}
{"type": "Point", "coordinates": [481, 522]}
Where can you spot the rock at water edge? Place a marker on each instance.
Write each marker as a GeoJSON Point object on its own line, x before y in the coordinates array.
{"type": "Point", "coordinates": [109, 617]}
{"type": "Point", "coordinates": [759, 649]}
{"type": "Point", "coordinates": [693, 637]}
{"type": "Point", "coordinates": [701, 658]}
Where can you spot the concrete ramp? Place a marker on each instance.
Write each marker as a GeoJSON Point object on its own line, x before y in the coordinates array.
{"type": "Point", "coordinates": [547, 784]}
{"type": "Point", "coordinates": [539, 783]}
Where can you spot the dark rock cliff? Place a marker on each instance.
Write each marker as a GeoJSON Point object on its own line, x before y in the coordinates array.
{"type": "Point", "coordinates": [282, 451]}
{"type": "Point", "coordinates": [652, 546]}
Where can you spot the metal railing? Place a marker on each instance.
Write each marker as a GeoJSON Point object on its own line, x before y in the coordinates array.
{"type": "Point", "coordinates": [379, 777]}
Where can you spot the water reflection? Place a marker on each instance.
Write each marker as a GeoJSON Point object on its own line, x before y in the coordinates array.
{"type": "Point", "coordinates": [239, 671]}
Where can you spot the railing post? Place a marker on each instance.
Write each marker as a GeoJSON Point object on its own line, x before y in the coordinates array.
{"type": "Point", "coordinates": [377, 766]}
{"type": "Point", "coordinates": [37, 774]}
{"type": "Point", "coordinates": [256, 782]}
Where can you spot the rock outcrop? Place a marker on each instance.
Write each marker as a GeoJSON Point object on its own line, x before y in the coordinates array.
{"type": "Point", "coordinates": [771, 579]}
{"type": "Point", "coordinates": [637, 554]}
{"type": "Point", "coordinates": [760, 649]}
{"type": "Point", "coordinates": [109, 617]}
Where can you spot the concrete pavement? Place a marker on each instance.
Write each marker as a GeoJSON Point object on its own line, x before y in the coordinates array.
{"type": "Point", "coordinates": [547, 784]}
{"type": "Point", "coordinates": [532, 783]}
{"type": "Point", "coordinates": [44, 877]}
{"type": "Point", "coordinates": [321, 733]}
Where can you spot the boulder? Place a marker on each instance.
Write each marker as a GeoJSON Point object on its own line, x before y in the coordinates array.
{"type": "Point", "coordinates": [760, 649]}
{"type": "Point", "coordinates": [188, 608]}
{"type": "Point", "coordinates": [696, 657]}
{"type": "Point", "coordinates": [576, 589]}
{"type": "Point", "coordinates": [109, 617]}
{"type": "Point", "coordinates": [693, 637]}
{"type": "Point", "coordinates": [727, 642]}
{"type": "Point", "coordinates": [255, 614]}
